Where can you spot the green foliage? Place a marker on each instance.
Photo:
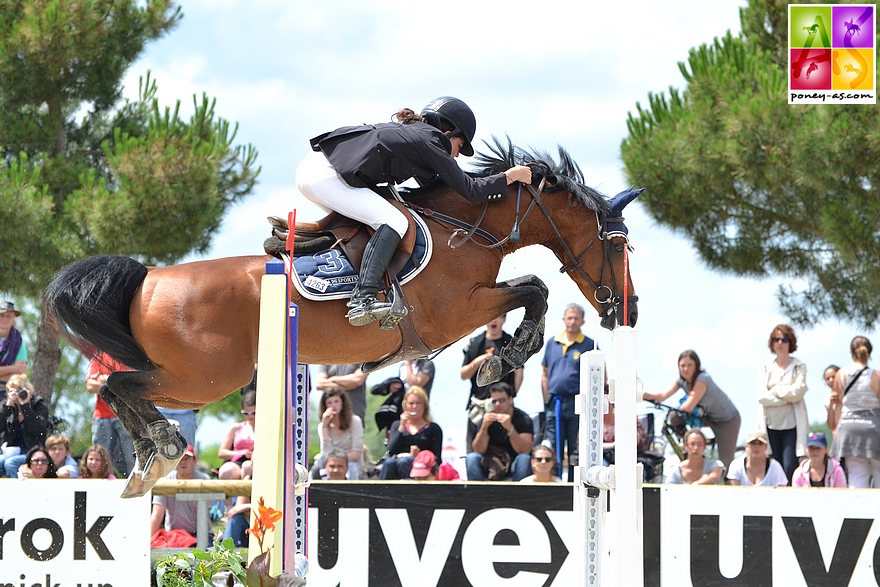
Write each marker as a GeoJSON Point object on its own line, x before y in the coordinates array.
{"type": "Point", "coordinates": [128, 177]}
{"type": "Point", "coordinates": [228, 408]}
{"type": "Point", "coordinates": [761, 187]}
{"type": "Point", "coordinates": [208, 459]}
{"type": "Point", "coordinates": [198, 567]}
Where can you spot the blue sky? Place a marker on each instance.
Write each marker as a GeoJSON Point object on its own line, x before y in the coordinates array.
{"type": "Point", "coordinates": [546, 73]}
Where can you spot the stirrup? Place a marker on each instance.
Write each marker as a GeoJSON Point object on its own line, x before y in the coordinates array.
{"type": "Point", "coordinates": [398, 308]}
{"type": "Point", "coordinates": [368, 310]}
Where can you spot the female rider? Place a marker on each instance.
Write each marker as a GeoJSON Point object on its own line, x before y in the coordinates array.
{"type": "Point", "coordinates": [348, 162]}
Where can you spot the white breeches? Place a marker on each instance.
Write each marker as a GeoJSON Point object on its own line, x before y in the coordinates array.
{"type": "Point", "coordinates": [318, 181]}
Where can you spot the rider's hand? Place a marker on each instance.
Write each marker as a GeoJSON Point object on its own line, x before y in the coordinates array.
{"type": "Point", "coordinates": [519, 173]}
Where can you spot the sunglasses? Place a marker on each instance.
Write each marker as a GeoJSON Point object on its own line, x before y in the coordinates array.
{"type": "Point", "coordinates": [543, 459]}
{"type": "Point", "coordinates": [248, 413]}
{"type": "Point", "coordinates": [783, 339]}
{"type": "Point", "coordinates": [39, 461]}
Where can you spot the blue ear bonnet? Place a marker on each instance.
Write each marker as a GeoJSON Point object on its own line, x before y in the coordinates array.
{"type": "Point", "coordinates": [617, 204]}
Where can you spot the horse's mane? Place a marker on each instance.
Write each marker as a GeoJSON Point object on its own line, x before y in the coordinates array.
{"type": "Point", "coordinates": [564, 176]}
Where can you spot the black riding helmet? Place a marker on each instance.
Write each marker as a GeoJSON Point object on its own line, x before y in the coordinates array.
{"type": "Point", "coordinates": [456, 114]}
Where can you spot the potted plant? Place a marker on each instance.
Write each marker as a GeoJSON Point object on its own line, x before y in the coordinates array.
{"type": "Point", "coordinates": [217, 566]}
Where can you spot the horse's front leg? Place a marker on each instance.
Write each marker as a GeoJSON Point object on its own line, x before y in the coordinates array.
{"type": "Point", "coordinates": [531, 294]}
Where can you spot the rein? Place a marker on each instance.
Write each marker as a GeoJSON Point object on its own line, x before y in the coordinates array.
{"type": "Point", "coordinates": [514, 232]}
{"type": "Point", "coordinates": [467, 232]}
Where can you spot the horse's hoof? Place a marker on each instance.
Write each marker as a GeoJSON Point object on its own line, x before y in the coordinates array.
{"type": "Point", "coordinates": [135, 486]}
{"type": "Point", "coordinates": [490, 371]}
{"type": "Point", "coordinates": [162, 465]}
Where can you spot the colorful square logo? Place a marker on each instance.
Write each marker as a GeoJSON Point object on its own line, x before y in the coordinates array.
{"type": "Point", "coordinates": [832, 54]}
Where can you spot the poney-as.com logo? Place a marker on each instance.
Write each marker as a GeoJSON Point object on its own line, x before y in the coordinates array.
{"type": "Point", "coordinates": [832, 54]}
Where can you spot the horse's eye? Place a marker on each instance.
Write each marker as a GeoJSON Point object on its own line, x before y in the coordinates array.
{"type": "Point", "coordinates": [618, 247]}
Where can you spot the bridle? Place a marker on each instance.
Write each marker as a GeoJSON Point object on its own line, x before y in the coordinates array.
{"type": "Point", "coordinates": [576, 263]}
{"type": "Point", "coordinates": [467, 232]}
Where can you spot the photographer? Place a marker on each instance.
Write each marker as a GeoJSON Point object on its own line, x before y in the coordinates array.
{"type": "Point", "coordinates": [24, 418]}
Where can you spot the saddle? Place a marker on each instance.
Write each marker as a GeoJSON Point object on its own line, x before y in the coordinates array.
{"type": "Point", "coordinates": [336, 230]}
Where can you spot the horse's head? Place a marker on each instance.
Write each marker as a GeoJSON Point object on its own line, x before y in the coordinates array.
{"type": "Point", "coordinates": [595, 258]}
{"type": "Point", "coordinates": [619, 306]}
{"type": "Point", "coordinates": [584, 230]}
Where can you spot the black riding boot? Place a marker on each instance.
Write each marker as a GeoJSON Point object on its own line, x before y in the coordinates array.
{"type": "Point", "coordinates": [365, 307]}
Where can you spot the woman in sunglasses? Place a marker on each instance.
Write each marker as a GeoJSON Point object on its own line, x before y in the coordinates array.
{"type": "Point", "coordinates": [781, 386]}
{"type": "Point", "coordinates": [237, 447]}
{"type": "Point", "coordinates": [543, 466]}
{"type": "Point", "coordinates": [37, 465]}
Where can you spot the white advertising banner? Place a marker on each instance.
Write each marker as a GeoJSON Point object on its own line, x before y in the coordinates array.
{"type": "Point", "coordinates": [72, 533]}
{"type": "Point", "coordinates": [761, 536]}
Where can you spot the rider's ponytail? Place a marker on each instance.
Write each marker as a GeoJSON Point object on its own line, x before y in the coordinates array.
{"type": "Point", "coordinates": [405, 115]}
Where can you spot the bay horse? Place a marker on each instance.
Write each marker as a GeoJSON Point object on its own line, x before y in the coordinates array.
{"type": "Point", "coordinates": [189, 332]}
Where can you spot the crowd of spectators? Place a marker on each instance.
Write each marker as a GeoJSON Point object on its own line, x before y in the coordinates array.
{"type": "Point", "coordinates": [504, 443]}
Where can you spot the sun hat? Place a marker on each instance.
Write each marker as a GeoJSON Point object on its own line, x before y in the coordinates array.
{"type": "Point", "coordinates": [8, 307]}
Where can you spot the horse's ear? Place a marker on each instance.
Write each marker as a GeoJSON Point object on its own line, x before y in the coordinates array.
{"type": "Point", "coordinates": [619, 202]}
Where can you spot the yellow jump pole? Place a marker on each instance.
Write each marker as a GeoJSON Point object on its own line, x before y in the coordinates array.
{"type": "Point", "coordinates": [282, 422]}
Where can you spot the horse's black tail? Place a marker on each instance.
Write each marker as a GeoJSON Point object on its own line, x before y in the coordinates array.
{"type": "Point", "coordinates": [90, 299]}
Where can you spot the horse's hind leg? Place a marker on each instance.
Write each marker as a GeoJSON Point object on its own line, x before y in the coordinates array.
{"type": "Point", "coordinates": [158, 444]}
{"type": "Point", "coordinates": [529, 336]}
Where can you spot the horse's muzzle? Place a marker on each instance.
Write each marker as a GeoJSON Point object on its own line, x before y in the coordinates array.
{"type": "Point", "coordinates": [612, 314]}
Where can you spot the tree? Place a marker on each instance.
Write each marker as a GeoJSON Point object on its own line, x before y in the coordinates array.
{"type": "Point", "coordinates": [125, 178]}
{"type": "Point", "coordinates": [761, 187]}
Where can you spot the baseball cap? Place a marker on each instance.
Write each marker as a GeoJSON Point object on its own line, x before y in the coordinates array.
{"type": "Point", "coordinates": [817, 439]}
{"type": "Point", "coordinates": [190, 451]}
{"type": "Point", "coordinates": [424, 462]}
{"type": "Point", "coordinates": [447, 473]}
{"type": "Point", "coordinates": [759, 436]}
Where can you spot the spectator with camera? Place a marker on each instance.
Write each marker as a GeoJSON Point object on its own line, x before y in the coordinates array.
{"type": "Point", "coordinates": [24, 418]}
{"type": "Point", "coordinates": [503, 442]}
{"type": "Point", "coordinates": [13, 352]}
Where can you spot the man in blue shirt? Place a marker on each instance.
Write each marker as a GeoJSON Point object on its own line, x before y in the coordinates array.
{"type": "Point", "coordinates": [560, 382]}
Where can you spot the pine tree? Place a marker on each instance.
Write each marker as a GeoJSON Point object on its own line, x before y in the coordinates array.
{"type": "Point", "coordinates": [761, 187]}
{"type": "Point", "coordinates": [85, 172]}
